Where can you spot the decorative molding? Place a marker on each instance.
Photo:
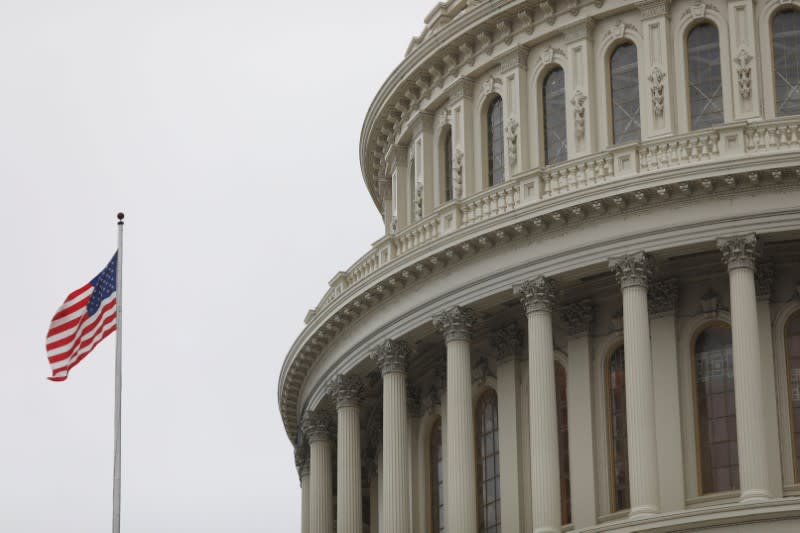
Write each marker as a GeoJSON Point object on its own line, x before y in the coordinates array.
{"type": "Point", "coordinates": [491, 85]}
{"type": "Point", "coordinates": [653, 8]}
{"type": "Point", "coordinates": [461, 89]}
{"type": "Point", "coordinates": [709, 304]}
{"type": "Point", "coordinates": [511, 141]}
{"type": "Point", "coordinates": [656, 79]}
{"type": "Point", "coordinates": [537, 294]}
{"type": "Point", "coordinates": [347, 390]}
{"type": "Point", "coordinates": [391, 356]}
{"type": "Point", "coordinates": [318, 426]}
{"type": "Point", "coordinates": [507, 342]}
{"type": "Point", "coordinates": [516, 58]}
{"type": "Point", "coordinates": [549, 54]}
{"type": "Point", "coordinates": [579, 31]}
{"type": "Point", "coordinates": [418, 186]}
{"type": "Point", "coordinates": [740, 251]}
{"type": "Point", "coordinates": [619, 30]}
{"type": "Point", "coordinates": [579, 113]}
{"type": "Point", "coordinates": [662, 296]}
{"type": "Point", "coordinates": [578, 317]}
{"type": "Point", "coordinates": [699, 10]}
{"type": "Point", "coordinates": [456, 323]}
{"type": "Point", "coordinates": [443, 117]}
{"type": "Point", "coordinates": [548, 8]}
{"type": "Point", "coordinates": [458, 172]}
{"type": "Point", "coordinates": [302, 460]}
{"type": "Point", "coordinates": [765, 278]}
{"type": "Point", "coordinates": [633, 270]}
{"type": "Point", "coordinates": [744, 72]}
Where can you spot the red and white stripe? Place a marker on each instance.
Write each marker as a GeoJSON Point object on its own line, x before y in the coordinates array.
{"type": "Point", "coordinates": [73, 333]}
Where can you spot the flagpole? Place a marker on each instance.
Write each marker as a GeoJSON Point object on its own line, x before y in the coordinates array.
{"type": "Point", "coordinates": [118, 381]}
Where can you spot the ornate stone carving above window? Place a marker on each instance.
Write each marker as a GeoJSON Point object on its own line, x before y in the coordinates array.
{"type": "Point", "coordinates": [511, 138]}
{"type": "Point", "coordinates": [743, 72]}
{"type": "Point", "coordinates": [491, 85]}
{"type": "Point", "coordinates": [656, 79]}
{"type": "Point", "coordinates": [578, 317]}
{"type": "Point", "coordinates": [458, 173]}
{"type": "Point", "coordinates": [579, 113]}
{"type": "Point", "coordinates": [709, 304]}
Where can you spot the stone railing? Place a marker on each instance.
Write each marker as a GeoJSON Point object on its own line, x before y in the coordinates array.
{"type": "Point", "coordinates": [725, 142]}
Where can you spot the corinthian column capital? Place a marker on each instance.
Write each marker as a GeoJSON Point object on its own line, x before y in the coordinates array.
{"type": "Point", "coordinates": [456, 323]}
{"type": "Point", "coordinates": [740, 251]}
{"type": "Point", "coordinates": [507, 342]}
{"type": "Point", "coordinates": [348, 391]}
{"type": "Point", "coordinates": [537, 294]}
{"type": "Point", "coordinates": [318, 426]}
{"type": "Point", "coordinates": [391, 356]}
{"type": "Point", "coordinates": [633, 270]}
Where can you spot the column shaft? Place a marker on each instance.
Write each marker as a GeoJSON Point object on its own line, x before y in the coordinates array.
{"type": "Point", "coordinates": [642, 459]}
{"type": "Point", "coordinates": [395, 455]}
{"type": "Point", "coordinates": [348, 469]}
{"type": "Point", "coordinates": [460, 445]}
{"type": "Point", "coordinates": [305, 490]}
{"type": "Point", "coordinates": [546, 497]}
{"type": "Point", "coordinates": [507, 393]}
{"type": "Point", "coordinates": [750, 427]}
{"type": "Point", "coordinates": [321, 487]}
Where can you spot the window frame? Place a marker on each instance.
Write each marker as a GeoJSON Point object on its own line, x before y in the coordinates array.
{"type": "Point", "coordinates": [723, 72]}
{"type": "Point", "coordinates": [611, 50]}
{"type": "Point", "coordinates": [545, 75]}
{"type": "Point", "coordinates": [779, 10]}
{"type": "Point", "coordinates": [491, 101]}
{"type": "Point", "coordinates": [488, 391]}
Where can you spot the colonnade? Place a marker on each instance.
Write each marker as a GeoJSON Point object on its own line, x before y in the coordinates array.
{"type": "Point", "coordinates": [634, 273]}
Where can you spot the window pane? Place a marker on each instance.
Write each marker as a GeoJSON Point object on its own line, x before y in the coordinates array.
{"type": "Point", "coordinates": [705, 77]}
{"type": "Point", "coordinates": [785, 47]}
{"type": "Point", "coordinates": [793, 378]}
{"type": "Point", "coordinates": [555, 117]}
{"type": "Point", "coordinates": [716, 410]}
{"type": "Point", "coordinates": [494, 125]}
{"type": "Point", "coordinates": [489, 462]}
{"type": "Point", "coordinates": [448, 165]}
{"type": "Point", "coordinates": [625, 94]}
{"type": "Point", "coordinates": [618, 431]}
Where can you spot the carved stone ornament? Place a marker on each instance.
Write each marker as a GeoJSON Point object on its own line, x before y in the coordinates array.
{"type": "Point", "coordinates": [458, 172]}
{"type": "Point", "coordinates": [456, 323]}
{"type": "Point", "coordinates": [348, 391]}
{"type": "Point", "coordinates": [318, 426]}
{"type": "Point", "coordinates": [740, 251]}
{"type": "Point", "coordinates": [633, 270]}
{"type": "Point", "coordinates": [578, 317]}
{"type": "Point", "coordinates": [549, 10]}
{"type": "Point", "coordinates": [619, 29]}
{"type": "Point", "coordinates": [662, 296]}
{"type": "Point", "coordinates": [442, 118]}
{"type": "Point", "coordinates": [482, 372]}
{"type": "Point", "coordinates": [656, 79]}
{"type": "Point", "coordinates": [418, 200]}
{"type": "Point", "coordinates": [302, 461]}
{"type": "Point", "coordinates": [743, 72]}
{"type": "Point", "coordinates": [391, 356]}
{"type": "Point", "coordinates": [709, 304]}
{"type": "Point", "coordinates": [511, 138]}
{"type": "Point", "coordinates": [537, 294]}
{"type": "Point", "coordinates": [579, 113]}
{"type": "Point", "coordinates": [507, 342]}
{"type": "Point", "coordinates": [765, 277]}
{"type": "Point", "coordinates": [491, 85]}
{"type": "Point", "coordinates": [698, 10]}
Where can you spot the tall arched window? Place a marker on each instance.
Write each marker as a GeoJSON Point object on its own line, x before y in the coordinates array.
{"type": "Point", "coordinates": [488, 463]}
{"type": "Point", "coordinates": [705, 76]}
{"type": "Point", "coordinates": [563, 441]}
{"type": "Point", "coordinates": [625, 94]}
{"type": "Point", "coordinates": [447, 155]}
{"type": "Point", "coordinates": [785, 46]}
{"type": "Point", "coordinates": [436, 469]}
{"type": "Point", "coordinates": [494, 127]}
{"type": "Point", "coordinates": [715, 405]}
{"type": "Point", "coordinates": [618, 431]}
{"type": "Point", "coordinates": [793, 378]}
{"type": "Point", "coordinates": [555, 117]}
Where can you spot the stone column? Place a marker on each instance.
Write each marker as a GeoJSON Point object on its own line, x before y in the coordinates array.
{"type": "Point", "coordinates": [318, 429]}
{"type": "Point", "coordinates": [301, 461]}
{"type": "Point", "coordinates": [392, 359]}
{"type": "Point", "coordinates": [507, 343]}
{"type": "Point", "coordinates": [456, 324]}
{"type": "Point", "coordinates": [740, 254]}
{"type": "Point", "coordinates": [633, 273]}
{"type": "Point", "coordinates": [578, 317]}
{"type": "Point", "coordinates": [538, 296]}
{"type": "Point", "coordinates": [416, 486]}
{"type": "Point", "coordinates": [348, 391]}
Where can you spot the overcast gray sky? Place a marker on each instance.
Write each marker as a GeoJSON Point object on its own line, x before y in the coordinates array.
{"type": "Point", "coordinates": [227, 130]}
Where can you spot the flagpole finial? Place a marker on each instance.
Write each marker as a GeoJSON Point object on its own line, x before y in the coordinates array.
{"type": "Point", "coordinates": [120, 218]}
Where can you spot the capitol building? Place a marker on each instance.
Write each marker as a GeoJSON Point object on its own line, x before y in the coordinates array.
{"type": "Point", "coordinates": [584, 312]}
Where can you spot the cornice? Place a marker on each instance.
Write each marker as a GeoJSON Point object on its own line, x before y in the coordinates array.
{"type": "Point", "coordinates": [541, 218]}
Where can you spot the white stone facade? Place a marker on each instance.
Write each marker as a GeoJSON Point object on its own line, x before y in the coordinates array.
{"type": "Point", "coordinates": [659, 277]}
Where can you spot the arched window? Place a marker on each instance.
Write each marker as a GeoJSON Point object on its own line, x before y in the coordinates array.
{"type": "Point", "coordinates": [715, 406]}
{"type": "Point", "coordinates": [494, 127]}
{"type": "Point", "coordinates": [785, 46]}
{"type": "Point", "coordinates": [436, 469]}
{"type": "Point", "coordinates": [793, 378]}
{"type": "Point", "coordinates": [705, 76]}
{"type": "Point", "coordinates": [555, 117]}
{"type": "Point", "coordinates": [447, 155]}
{"type": "Point", "coordinates": [618, 431]}
{"type": "Point", "coordinates": [488, 463]}
{"type": "Point", "coordinates": [563, 441]}
{"type": "Point", "coordinates": [625, 93]}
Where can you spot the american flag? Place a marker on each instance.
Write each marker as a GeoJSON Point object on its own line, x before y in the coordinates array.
{"type": "Point", "coordinates": [87, 316]}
